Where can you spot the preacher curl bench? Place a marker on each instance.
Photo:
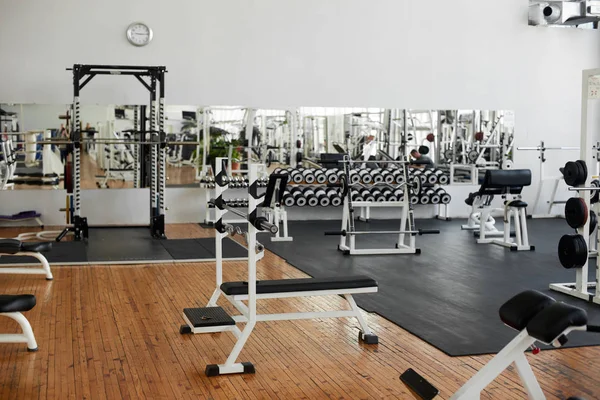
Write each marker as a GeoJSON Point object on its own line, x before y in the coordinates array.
{"type": "Point", "coordinates": [508, 184]}
{"type": "Point", "coordinates": [539, 318]}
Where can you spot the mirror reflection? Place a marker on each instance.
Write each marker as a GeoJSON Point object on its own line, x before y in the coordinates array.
{"type": "Point", "coordinates": [463, 143]}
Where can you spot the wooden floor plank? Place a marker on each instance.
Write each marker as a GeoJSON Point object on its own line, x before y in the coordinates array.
{"type": "Point", "coordinates": [112, 332]}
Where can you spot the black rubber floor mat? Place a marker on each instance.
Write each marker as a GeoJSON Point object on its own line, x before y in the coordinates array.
{"type": "Point", "coordinates": [449, 295]}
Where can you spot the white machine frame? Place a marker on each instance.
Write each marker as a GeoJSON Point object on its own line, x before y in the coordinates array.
{"type": "Point", "coordinates": [512, 353]}
{"type": "Point", "coordinates": [590, 109]}
{"type": "Point", "coordinates": [44, 270]}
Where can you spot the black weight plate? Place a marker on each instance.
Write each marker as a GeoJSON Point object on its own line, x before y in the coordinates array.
{"type": "Point", "coordinates": [572, 251]}
{"type": "Point", "coordinates": [596, 193]}
{"type": "Point", "coordinates": [571, 173]}
{"type": "Point", "coordinates": [576, 212]}
{"type": "Point", "coordinates": [583, 170]}
{"type": "Point", "coordinates": [299, 157]}
{"type": "Point", "coordinates": [593, 221]}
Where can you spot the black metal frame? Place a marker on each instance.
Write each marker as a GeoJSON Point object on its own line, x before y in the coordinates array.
{"type": "Point", "coordinates": [82, 75]}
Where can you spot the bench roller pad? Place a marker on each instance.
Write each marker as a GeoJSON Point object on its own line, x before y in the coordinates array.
{"type": "Point", "coordinates": [10, 246]}
{"type": "Point", "coordinates": [554, 320]}
{"type": "Point", "coordinates": [18, 303]}
{"type": "Point", "coordinates": [300, 285]}
{"type": "Point", "coordinates": [519, 310]}
{"type": "Point", "coordinates": [36, 247]}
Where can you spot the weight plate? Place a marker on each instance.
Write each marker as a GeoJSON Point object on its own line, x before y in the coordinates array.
{"type": "Point", "coordinates": [299, 157]}
{"type": "Point", "coordinates": [595, 195]}
{"type": "Point", "coordinates": [593, 221]}
{"type": "Point", "coordinates": [572, 251]}
{"type": "Point", "coordinates": [584, 171]}
{"type": "Point", "coordinates": [423, 150]}
{"type": "Point", "coordinates": [432, 179]}
{"type": "Point", "coordinates": [416, 186]}
{"type": "Point", "coordinates": [576, 212]}
{"type": "Point", "coordinates": [344, 186]}
{"type": "Point", "coordinates": [473, 155]}
{"type": "Point", "coordinates": [446, 198]}
{"type": "Point", "coordinates": [448, 154]}
{"type": "Point", "coordinates": [444, 179]}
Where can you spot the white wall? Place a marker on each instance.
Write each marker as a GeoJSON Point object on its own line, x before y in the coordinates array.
{"type": "Point", "coordinates": [273, 54]}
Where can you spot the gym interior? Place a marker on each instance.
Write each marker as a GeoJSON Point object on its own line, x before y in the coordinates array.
{"type": "Point", "coordinates": [300, 199]}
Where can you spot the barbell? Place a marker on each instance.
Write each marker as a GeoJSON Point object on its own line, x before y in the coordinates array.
{"type": "Point", "coordinates": [260, 223]}
{"type": "Point", "coordinates": [355, 233]}
{"type": "Point", "coordinates": [107, 141]}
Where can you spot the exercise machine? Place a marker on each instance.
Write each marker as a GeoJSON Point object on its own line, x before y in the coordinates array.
{"type": "Point", "coordinates": [508, 184]}
{"type": "Point", "coordinates": [555, 180]}
{"type": "Point", "coordinates": [212, 319]}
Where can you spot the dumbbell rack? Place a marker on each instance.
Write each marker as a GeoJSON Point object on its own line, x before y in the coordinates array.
{"type": "Point", "coordinates": [208, 184]}
{"type": "Point", "coordinates": [431, 179]}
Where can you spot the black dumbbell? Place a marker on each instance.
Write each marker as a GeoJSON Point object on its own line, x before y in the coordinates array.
{"type": "Point", "coordinates": [288, 199]}
{"type": "Point", "coordinates": [398, 176]}
{"type": "Point", "coordinates": [309, 176]}
{"type": "Point", "coordinates": [365, 176]}
{"type": "Point", "coordinates": [388, 176]}
{"type": "Point", "coordinates": [356, 196]}
{"type": "Point", "coordinates": [311, 199]}
{"type": "Point", "coordinates": [297, 176]}
{"type": "Point", "coordinates": [377, 175]}
{"type": "Point", "coordinates": [332, 176]}
{"type": "Point", "coordinates": [320, 176]}
{"type": "Point", "coordinates": [298, 196]}
{"type": "Point", "coordinates": [322, 197]}
{"type": "Point", "coordinates": [334, 197]}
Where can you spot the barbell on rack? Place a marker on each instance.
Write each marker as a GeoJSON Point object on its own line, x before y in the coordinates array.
{"type": "Point", "coordinates": [355, 233]}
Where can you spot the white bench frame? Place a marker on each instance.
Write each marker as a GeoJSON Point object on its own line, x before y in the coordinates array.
{"type": "Point", "coordinates": [44, 270]}
{"type": "Point", "coordinates": [25, 337]}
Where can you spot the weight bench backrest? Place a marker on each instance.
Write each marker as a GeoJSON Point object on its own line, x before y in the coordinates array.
{"type": "Point", "coordinates": [505, 181]}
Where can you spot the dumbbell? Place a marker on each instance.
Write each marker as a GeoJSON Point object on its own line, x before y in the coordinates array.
{"type": "Point", "coordinates": [366, 195]}
{"type": "Point", "coordinates": [436, 197]}
{"type": "Point", "coordinates": [334, 197]}
{"type": "Point", "coordinates": [443, 177]}
{"type": "Point", "coordinates": [332, 176]}
{"type": "Point", "coordinates": [288, 199]}
{"type": "Point", "coordinates": [445, 198]}
{"type": "Point", "coordinates": [388, 176]}
{"type": "Point", "coordinates": [356, 195]}
{"type": "Point", "coordinates": [414, 200]}
{"type": "Point", "coordinates": [320, 176]}
{"type": "Point", "coordinates": [309, 176]}
{"type": "Point", "coordinates": [398, 177]}
{"type": "Point", "coordinates": [354, 177]}
{"type": "Point", "coordinates": [377, 175]}
{"type": "Point", "coordinates": [322, 197]}
{"type": "Point", "coordinates": [297, 176]}
{"type": "Point", "coordinates": [365, 176]}
{"type": "Point", "coordinates": [298, 196]}
{"type": "Point", "coordinates": [378, 195]}
{"type": "Point", "coordinates": [311, 199]}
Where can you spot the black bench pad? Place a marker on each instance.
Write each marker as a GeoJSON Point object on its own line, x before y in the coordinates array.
{"type": "Point", "coordinates": [18, 303]}
{"type": "Point", "coordinates": [13, 246]}
{"type": "Point", "coordinates": [522, 308]}
{"type": "Point", "coordinates": [554, 320]}
{"type": "Point", "coordinates": [300, 285]}
{"type": "Point", "coordinates": [517, 204]}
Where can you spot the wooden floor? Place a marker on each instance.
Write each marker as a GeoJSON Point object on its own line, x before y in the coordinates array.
{"type": "Point", "coordinates": [112, 332]}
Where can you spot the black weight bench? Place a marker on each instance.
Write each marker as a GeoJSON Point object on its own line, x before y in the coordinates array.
{"type": "Point", "coordinates": [14, 247]}
{"type": "Point", "coordinates": [538, 317]}
{"type": "Point", "coordinates": [13, 307]}
{"type": "Point", "coordinates": [302, 285]}
{"type": "Point", "coordinates": [508, 184]}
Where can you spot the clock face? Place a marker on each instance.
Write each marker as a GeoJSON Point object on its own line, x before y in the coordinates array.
{"type": "Point", "coordinates": [139, 34]}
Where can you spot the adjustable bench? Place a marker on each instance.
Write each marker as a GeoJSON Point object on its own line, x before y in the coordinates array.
{"type": "Point", "coordinates": [214, 319]}
{"type": "Point", "coordinates": [12, 307]}
{"type": "Point", "coordinates": [538, 318]}
{"type": "Point", "coordinates": [508, 184]}
{"type": "Point", "coordinates": [14, 247]}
